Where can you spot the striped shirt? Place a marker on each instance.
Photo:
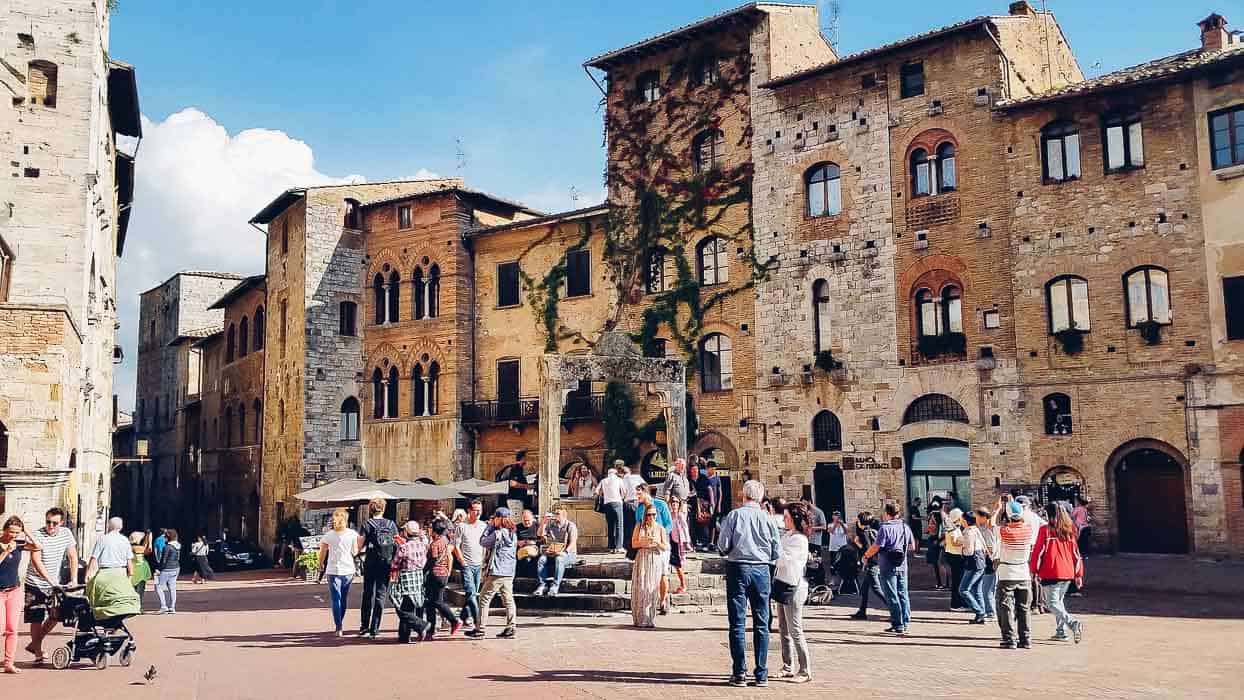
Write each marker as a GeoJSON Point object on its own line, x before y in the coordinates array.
{"type": "Point", "coordinates": [1011, 551]}
{"type": "Point", "coordinates": [52, 556]}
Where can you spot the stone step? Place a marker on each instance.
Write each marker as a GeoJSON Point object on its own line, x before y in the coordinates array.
{"type": "Point", "coordinates": [621, 568]}
{"type": "Point", "coordinates": [597, 586]}
{"type": "Point", "coordinates": [593, 602]}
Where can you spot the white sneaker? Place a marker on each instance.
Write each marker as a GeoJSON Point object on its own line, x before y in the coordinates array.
{"type": "Point", "coordinates": [540, 589]}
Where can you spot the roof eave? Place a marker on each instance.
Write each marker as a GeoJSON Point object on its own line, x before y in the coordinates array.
{"type": "Point", "coordinates": [235, 292]}
{"type": "Point", "coordinates": [660, 42]}
{"type": "Point", "coordinates": [277, 206]}
{"type": "Point", "coordinates": [561, 217]}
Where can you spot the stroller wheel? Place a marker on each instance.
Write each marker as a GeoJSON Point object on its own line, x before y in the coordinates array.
{"type": "Point", "coordinates": [60, 658]}
{"type": "Point", "coordinates": [127, 656]}
{"type": "Point", "coordinates": [101, 661]}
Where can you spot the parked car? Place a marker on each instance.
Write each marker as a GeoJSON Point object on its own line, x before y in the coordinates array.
{"type": "Point", "coordinates": [235, 554]}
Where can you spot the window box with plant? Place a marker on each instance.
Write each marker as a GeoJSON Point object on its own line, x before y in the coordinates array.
{"type": "Point", "coordinates": [309, 564]}
{"type": "Point", "coordinates": [1071, 339]}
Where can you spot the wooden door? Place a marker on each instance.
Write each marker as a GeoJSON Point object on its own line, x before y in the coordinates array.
{"type": "Point", "coordinates": [1152, 511]}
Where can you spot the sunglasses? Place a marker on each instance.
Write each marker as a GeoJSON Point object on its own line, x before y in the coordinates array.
{"type": "Point", "coordinates": [53, 523]}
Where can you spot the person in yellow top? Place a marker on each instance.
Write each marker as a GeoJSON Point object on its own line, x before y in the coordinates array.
{"type": "Point", "coordinates": [953, 543]}
{"type": "Point", "coordinates": [140, 544]}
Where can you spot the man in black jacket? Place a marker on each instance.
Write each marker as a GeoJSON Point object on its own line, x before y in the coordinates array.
{"type": "Point", "coordinates": [378, 542]}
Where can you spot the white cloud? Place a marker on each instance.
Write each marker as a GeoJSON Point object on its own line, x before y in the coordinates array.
{"type": "Point", "coordinates": [553, 198]}
{"type": "Point", "coordinates": [422, 174]}
{"type": "Point", "coordinates": [196, 187]}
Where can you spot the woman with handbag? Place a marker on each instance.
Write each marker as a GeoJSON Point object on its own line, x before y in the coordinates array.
{"type": "Point", "coordinates": [790, 590]}
{"type": "Point", "coordinates": [650, 541]}
{"type": "Point", "coordinates": [1057, 562]}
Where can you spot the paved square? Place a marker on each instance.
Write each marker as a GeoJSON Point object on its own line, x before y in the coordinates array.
{"type": "Point", "coordinates": [255, 635]}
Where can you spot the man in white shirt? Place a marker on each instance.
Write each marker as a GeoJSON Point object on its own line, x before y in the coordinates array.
{"type": "Point", "coordinates": [471, 557]}
{"type": "Point", "coordinates": [611, 490]}
{"type": "Point", "coordinates": [112, 551]}
{"type": "Point", "coordinates": [630, 482]}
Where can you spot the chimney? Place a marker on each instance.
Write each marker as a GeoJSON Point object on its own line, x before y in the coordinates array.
{"type": "Point", "coordinates": [1022, 9]}
{"type": "Point", "coordinates": [1214, 36]}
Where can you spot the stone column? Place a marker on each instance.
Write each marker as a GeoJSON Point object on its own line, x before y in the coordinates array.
{"type": "Point", "coordinates": [674, 395]}
{"type": "Point", "coordinates": [427, 396]}
{"type": "Point", "coordinates": [552, 404]}
{"type": "Point", "coordinates": [427, 298]}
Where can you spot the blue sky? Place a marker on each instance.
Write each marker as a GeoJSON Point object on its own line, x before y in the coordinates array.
{"type": "Point", "coordinates": [272, 93]}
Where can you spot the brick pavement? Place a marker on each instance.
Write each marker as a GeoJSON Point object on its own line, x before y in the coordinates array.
{"type": "Point", "coordinates": [252, 636]}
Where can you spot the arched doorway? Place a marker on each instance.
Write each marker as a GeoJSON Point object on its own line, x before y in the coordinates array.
{"type": "Point", "coordinates": [725, 472]}
{"type": "Point", "coordinates": [1150, 498]}
{"type": "Point", "coordinates": [1062, 483]}
{"type": "Point", "coordinates": [938, 468]}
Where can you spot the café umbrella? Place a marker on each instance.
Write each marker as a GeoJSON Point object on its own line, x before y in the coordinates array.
{"type": "Point", "coordinates": [355, 490]}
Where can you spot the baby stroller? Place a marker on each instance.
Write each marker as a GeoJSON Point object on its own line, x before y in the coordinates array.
{"type": "Point", "coordinates": [847, 568]}
{"type": "Point", "coordinates": [97, 639]}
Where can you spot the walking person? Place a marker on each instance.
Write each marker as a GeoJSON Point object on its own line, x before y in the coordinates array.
{"type": "Point", "coordinates": [440, 565]}
{"type": "Point", "coordinates": [338, 547]}
{"type": "Point", "coordinates": [1057, 563]}
{"type": "Point", "coordinates": [469, 552]}
{"type": "Point", "coordinates": [501, 539]}
{"type": "Point", "coordinates": [378, 544]}
{"type": "Point", "coordinates": [894, 541]}
{"type": "Point", "coordinates": [870, 581]}
{"type": "Point", "coordinates": [1011, 551]}
{"type": "Point", "coordinates": [749, 542]}
{"type": "Point", "coordinates": [57, 546]}
{"type": "Point", "coordinates": [933, 544]}
{"type": "Point", "coordinates": [561, 542]}
{"type": "Point", "coordinates": [974, 554]}
{"type": "Point", "coordinates": [170, 569]}
{"type": "Point", "coordinates": [202, 568]}
{"type": "Point", "coordinates": [790, 591]}
{"type": "Point", "coordinates": [680, 542]}
{"type": "Point", "coordinates": [1083, 519]}
{"type": "Point", "coordinates": [140, 544]}
{"type": "Point", "coordinates": [406, 581]}
{"type": "Point", "coordinates": [988, 531]}
{"type": "Point", "coordinates": [16, 551]}
{"type": "Point", "coordinates": [952, 543]}
{"type": "Point", "coordinates": [651, 544]}
{"type": "Point", "coordinates": [645, 502]}
{"type": "Point", "coordinates": [612, 495]}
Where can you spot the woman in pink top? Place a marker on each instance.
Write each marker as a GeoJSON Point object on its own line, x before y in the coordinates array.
{"type": "Point", "coordinates": [680, 540]}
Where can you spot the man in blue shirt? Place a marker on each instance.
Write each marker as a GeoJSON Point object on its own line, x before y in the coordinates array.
{"type": "Point", "coordinates": [643, 501]}
{"type": "Point", "coordinates": [750, 542]}
{"type": "Point", "coordinates": [894, 541]}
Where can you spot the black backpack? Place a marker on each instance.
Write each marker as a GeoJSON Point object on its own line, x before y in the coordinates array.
{"type": "Point", "coordinates": [383, 543]}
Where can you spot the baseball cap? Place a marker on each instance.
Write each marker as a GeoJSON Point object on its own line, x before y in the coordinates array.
{"type": "Point", "coordinates": [956, 515]}
{"type": "Point", "coordinates": [1024, 500]}
{"type": "Point", "coordinates": [1014, 510]}
{"type": "Point", "coordinates": [502, 512]}
{"type": "Point", "coordinates": [619, 463]}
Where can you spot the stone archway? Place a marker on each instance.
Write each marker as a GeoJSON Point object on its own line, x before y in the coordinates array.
{"type": "Point", "coordinates": [614, 358]}
{"type": "Point", "coordinates": [1148, 484]}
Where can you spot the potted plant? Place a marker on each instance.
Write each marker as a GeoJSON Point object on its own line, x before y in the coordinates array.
{"type": "Point", "coordinates": [1072, 339]}
{"type": "Point", "coordinates": [1151, 331]}
{"type": "Point", "coordinates": [309, 562]}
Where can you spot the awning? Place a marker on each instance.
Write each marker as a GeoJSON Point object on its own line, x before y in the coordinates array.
{"type": "Point", "coordinates": [352, 490]}
{"type": "Point", "coordinates": [479, 487]}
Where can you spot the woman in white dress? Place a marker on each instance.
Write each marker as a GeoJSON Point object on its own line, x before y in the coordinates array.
{"type": "Point", "coordinates": [582, 483]}
{"type": "Point", "coordinates": [649, 540]}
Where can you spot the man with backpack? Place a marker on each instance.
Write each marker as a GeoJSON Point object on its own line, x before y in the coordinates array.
{"type": "Point", "coordinates": [894, 541]}
{"type": "Point", "coordinates": [378, 542]}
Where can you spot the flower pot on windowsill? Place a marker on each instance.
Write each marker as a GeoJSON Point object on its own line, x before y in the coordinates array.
{"type": "Point", "coordinates": [933, 346]}
{"type": "Point", "coordinates": [1071, 339]}
{"type": "Point", "coordinates": [1151, 331]}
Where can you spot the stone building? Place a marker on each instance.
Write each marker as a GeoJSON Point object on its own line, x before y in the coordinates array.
{"type": "Point", "coordinates": [69, 118]}
{"type": "Point", "coordinates": [172, 317]}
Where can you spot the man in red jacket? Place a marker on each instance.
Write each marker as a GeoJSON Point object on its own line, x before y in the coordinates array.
{"type": "Point", "coordinates": [1056, 561]}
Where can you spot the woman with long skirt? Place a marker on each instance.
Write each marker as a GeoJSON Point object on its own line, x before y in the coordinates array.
{"type": "Point", "coordinates": [649, 540]}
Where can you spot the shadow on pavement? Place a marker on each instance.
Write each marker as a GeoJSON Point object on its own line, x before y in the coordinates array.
{"type": "Point", "coordinates": [645, 678]}
{"type": "Point", "coordinates": [287, 640]}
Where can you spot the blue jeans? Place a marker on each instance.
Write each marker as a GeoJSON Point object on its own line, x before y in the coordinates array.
{"type": "Point", "coordinates": [1055, 593]}
{"type": "Point", "coordinates": [970, 590]}
{"type": "Point", "coordinates": [555, 572]}
{"type": "Point", "coordinates": [894, 586]}
{"type": "Point", "coordinates": [989, 592]}
{"type": "Point", "coordinates": [339, 594]}
{"type": "Point", "coordinates": [748, 584]}
{"type": "Point", "coordinates": [470, 589]}
{"type": "Point", "coordinates": [613, 525]}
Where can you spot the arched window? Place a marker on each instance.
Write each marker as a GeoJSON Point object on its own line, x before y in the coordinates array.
{"type": "Point", "coordinates": [417, 389]}
{"type": "Point", "coordinates": [1057, 414]}
{"type": "Point", "coordinates": [707, 150]}
{"type": "Point", "coordinates": [390, 400]}
{"type": "Point", "coordinates": [649, 86]}
{"type": "Point", "coordinates": [713, 261]}
{"type": "Point", "coordinates": [716, 363]}
{"type": "Point", "coordinates": [261, 320]}
{"type": "Point", "coordinates": [229, 427]}
{"type": "Point", "coordinates": [244, 337]}
{"type": "Point", "coordinates": [952, 309]}
{"type": "Point", "coordinates": [940, 314]}
{"type": "Point", "coordinates": [41, 82]}
{"type": "Point", "coordinates": [947, 177]}
{"type": "Point", "coordinates": [1124, 144]}
{"type": "Point", "coordinates": [418, 283]}
{"type": "Point", "coordinates": [4, 446]}
{"type": "Point", "coordinates": [377, 287]}
{"type": "Point", "coordinates": [434, 376]}
{"type": "Point", "coordinates": [1148, 296]}
{"type": "Point", "coordinates": [257, 410]}
{"type": "Point", "coordinates": [434, 292]}
{"type": "Point", "coordinates": [921, 173]}
{"type": "Point", "coordinates": [231, 341]}
{"type": "Point", "coordinates": [1068, 303]}
{"type": "Point", "coordinates": [1060, 151]}
{"type": "Point", "coordinates": [242, 424]}
{"type": "Point", "coordinates": [820, 316]}
{"type": "Point", "coordinates": [654, 271]}
{"type": "Point", "coordinates": [934, 407]}
{"type": "Point", "coordinates": [349, 425]}
{"type": "Point", "coordinates": [395, 296]}
{"type": "Point", "coordinates": [377, 394]}
{"type": "Point", "coordinates": [826, 432]}
{"type": "Point", "coordinates": [824, 188]}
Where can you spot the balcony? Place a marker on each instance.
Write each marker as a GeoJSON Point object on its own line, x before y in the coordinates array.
{"type": "Point", "coordinates": [579, 407]}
